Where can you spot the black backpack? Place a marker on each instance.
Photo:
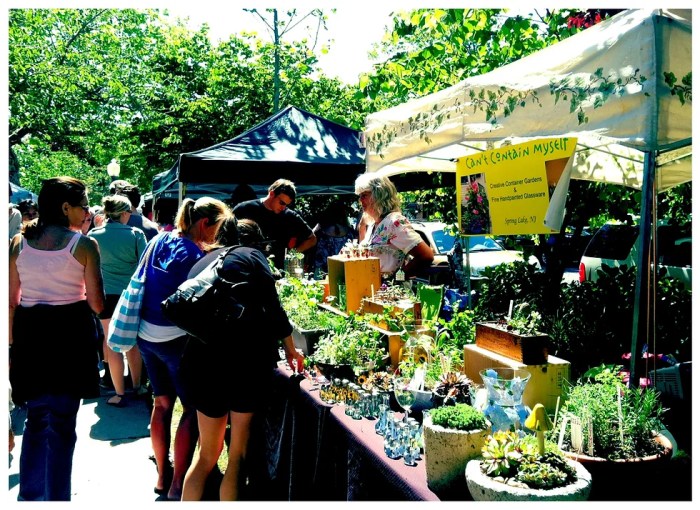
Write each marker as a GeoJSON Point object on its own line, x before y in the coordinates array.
{"type": "Point", "coordinates": [208, 306]}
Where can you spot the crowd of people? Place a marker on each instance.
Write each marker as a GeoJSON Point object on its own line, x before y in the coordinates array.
{"type": "Point", "coordinates": [58, 326]}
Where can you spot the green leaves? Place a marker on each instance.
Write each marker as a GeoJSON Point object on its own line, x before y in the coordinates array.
{"type": "Point", "coordinates": [134, 85]}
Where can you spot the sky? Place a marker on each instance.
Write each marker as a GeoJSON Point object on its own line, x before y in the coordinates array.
{"type": "Point", "coordinates": [351, 33]}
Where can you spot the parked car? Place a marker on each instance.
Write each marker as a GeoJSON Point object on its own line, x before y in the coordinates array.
{"type": "Point", "coordinates": [484, 251]}
{"type": "Point", "coordinates": [617, 245]}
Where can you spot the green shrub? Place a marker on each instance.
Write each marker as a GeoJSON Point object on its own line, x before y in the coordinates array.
{"type": "Point", "coordinates": [624, 421]}
{"type": "Point", "coordinates": [589, 323]}
{"type": "Point", "coordinates": [459, 417]}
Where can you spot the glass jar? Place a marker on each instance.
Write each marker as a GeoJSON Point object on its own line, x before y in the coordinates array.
{"type": "Point", "coordinates": [504, 408]}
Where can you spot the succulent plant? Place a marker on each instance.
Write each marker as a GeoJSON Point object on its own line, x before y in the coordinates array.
{"type": "Point", "coordinates": [517, 461]}
{"type": "Point", "coordinates": [453, 388]}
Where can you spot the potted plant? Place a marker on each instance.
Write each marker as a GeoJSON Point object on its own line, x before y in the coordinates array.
{"type": "Point", "coordinates": [350, 348]}
{"type": "Point", "coordinates": [517, 337]}
{"type": "Point", "coordinates": [526, 468]}
{"type": "Point", "coordinates": [300, 299]}
{"type": "Point", "coordinates": [423, 361]}
{"type": "Point", "coordinates": [453, 388]}
{"type": "Point", "coordinates": [615, 431]}
{"type": "Point", "coordinates": [452, 435]}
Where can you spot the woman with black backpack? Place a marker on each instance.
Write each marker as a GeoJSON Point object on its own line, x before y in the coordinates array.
{"type": "Point", "coordinates": [219, 371]}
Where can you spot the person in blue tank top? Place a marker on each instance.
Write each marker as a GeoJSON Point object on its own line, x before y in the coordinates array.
{"type": "Point", "coordinates": [161, 342]}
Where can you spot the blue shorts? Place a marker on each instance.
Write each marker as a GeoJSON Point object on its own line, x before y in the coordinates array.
{"type": "Point", "coordinates": [162, 360]}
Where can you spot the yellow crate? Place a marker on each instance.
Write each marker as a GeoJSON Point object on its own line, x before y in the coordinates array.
{"type": "Point", "coordinates": [359, 277]}
{"type": "Point", "coordinates": [545, 385]}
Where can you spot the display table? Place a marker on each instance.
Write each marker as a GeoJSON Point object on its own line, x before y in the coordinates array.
{"type": "Point", "coordinates": [313, 451]}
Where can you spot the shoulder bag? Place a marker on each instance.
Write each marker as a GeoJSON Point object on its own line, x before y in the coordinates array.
{"type": "Point", "coordinates": [124, 326]}
{"type": "Point", "coordinates": [208, 306]}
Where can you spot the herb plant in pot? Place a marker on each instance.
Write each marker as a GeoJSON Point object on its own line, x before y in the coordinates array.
{"type": "Point", "coordinates": [452, 435]}
{"type": "Point", "coordinates": [527, 468]}
{"type": "Point", "coordinates": [429, 366]}
{"type": "Point", "coordinates": [300, 300]}
{"type": "Point", "coordinates": [349, 349]}
{"type": "Point", "coordinates": [615, 432]}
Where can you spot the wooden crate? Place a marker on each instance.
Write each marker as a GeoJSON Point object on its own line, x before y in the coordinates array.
{"type": "Point", "coordinates": [545, 385]}
{"type": "Point", "coordinates": [359, 277]}
{"type": "Point", "coordinates": [371, 306]}
{"type": "Point", "coordinates": [530, 350]}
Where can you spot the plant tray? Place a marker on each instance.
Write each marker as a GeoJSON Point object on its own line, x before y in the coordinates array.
{"type": "Point", "coordinates": [371, 306]}
{"type": "Point", "coordinates": [530, 350]}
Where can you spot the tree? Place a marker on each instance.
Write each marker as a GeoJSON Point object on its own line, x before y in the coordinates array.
{"type": "Point", "coordinates": [76, 78]}
{"type": "Point", "coordinates": [278, 29]}
{"type": "Point", "coordinates": [87, 85]}
{"type": "Point", "coordinates": [431, 49]}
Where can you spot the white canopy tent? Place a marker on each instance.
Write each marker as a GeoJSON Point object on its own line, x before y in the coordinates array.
{"type": "Point", "coordinates": [606, 86]}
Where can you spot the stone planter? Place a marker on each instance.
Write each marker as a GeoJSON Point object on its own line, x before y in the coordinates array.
{"type": "Point", "coordinates": [485, 488]}
{"type": "Point", "coordinates": [447, 452]}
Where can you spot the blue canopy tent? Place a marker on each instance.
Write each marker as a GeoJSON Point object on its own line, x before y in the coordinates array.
{"type": "Point", "coordinates": [18, 193]}
{"type": "Point", "coordinates": [318, 155]}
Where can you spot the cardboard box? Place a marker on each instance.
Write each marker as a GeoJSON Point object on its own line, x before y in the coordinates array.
{"type": "Point", "coordinates": [546, 383]}
{"type": "Point", "coordinates": [359, 277]}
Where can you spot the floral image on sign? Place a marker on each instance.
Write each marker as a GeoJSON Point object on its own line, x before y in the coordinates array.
{"type": "Point", "coordinates": [515, 189]}
{"type": "Point", "coordinates": [476, 218]}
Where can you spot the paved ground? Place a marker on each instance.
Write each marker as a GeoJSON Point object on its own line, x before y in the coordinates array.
{"type": "Point", "coordinates": [111, 463]}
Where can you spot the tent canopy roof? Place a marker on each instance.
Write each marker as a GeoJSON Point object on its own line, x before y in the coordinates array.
{"type": "Point", "coordinates": [605, 86]}
{"type": "Point", "coordinates": [318, 155]}
{"type": "Point", "coordinates": [292, 144]}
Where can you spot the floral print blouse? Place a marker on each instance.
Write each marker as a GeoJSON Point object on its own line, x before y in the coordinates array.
{"type": "Point", "coordinates": [391, 240]}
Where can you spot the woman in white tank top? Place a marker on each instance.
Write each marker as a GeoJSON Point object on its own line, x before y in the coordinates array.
{"type": "Point", "coordinates": [55, 288]}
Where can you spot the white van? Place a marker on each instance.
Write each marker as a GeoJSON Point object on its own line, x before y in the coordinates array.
{"type": "Point", "coordinates": [617, 245]}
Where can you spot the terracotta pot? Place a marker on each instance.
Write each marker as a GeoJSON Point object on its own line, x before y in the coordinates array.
{"type": "Point", "coordinates": [485, 488]}
{"type": "Point", "coordinates": [618, 480]}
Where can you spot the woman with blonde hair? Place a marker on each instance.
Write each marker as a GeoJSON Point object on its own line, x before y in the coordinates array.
{"type": "Point", "coordinates": [121, 247]}
{"type": "Point", "coordinates": [221, 395]}
{"type": "Point", "coordinates": [388, 233]}
{"type": "Point", "coordinates": [55, 288]}
{"type": "Point", "coordinates": [161, 342]}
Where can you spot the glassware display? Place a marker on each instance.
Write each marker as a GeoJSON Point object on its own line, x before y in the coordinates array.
{"type": "Point", "coordinates": [404, 394]}
{"type": "Point", "coordinates": [504, 407]}
{"type": "Point", "coordinates": [380, 426]}
{"type": "Point", "coordinates": [294, 264]}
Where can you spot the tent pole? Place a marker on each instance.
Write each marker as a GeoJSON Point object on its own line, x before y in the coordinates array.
{"type": "Point", "coordinates": [642, 292]}
{"type": "Point", "coordinates": [467, 270]}
{"type": "Point", "coordinates": [179, 194]}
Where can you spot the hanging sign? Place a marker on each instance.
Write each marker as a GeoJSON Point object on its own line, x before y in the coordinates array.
{"type": "Point", "coordinates": [516, 189]}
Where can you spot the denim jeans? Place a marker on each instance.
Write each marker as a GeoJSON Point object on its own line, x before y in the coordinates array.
{"type": "Point", "coordinates": [162, 360]}
{"type": "Point", "coordinates": [48, 443]}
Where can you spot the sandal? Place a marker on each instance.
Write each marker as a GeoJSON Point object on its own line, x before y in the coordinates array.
{"type": "Point", "coordinates": [167, 480]}
{"type": "Point", "coordinates": [120, 402]}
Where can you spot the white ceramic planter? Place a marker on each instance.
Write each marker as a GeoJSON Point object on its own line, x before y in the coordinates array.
{"type": "Point", "coordinates": [447, 452]}
{"type": "Point", "coordinates": [485, 488]}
